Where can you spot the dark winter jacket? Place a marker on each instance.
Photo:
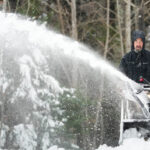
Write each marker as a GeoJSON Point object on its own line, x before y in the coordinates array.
{"type": "Point", "coordinates": [137, 65]}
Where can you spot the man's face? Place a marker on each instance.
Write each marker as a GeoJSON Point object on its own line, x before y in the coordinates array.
{"type": "Point", "coordinates": [138, 44]}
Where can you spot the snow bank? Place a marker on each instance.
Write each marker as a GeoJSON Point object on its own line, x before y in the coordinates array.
{"type": "Point", "coordinates": [129, 144]}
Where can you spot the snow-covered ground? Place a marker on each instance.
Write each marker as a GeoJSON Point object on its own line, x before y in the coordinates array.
{"type": "Point", "coordinates": [129, 144]}
{"type": "Point", "coordinates": [132, 141]}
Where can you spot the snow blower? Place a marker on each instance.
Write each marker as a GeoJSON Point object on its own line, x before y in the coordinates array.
{"type": "Point", "coordinates": [135, 111]}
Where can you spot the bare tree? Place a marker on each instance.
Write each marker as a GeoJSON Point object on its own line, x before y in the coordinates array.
{"type": "Point", "coordinates": [60, 11]}
{"type": "Point", "coordinates": [5, 5]}
{"type": "Point", "coordinates": [74, 19]}
{"type": "Point", "coordinates": [107, 34]}
{"type": "Point", "coordinates": [140, 16]}
{"type": "Point", "coordinates": [120, 29]}
{"type": "Point", "coordinates": [28, 7]}
{"type": "Point", "coordinates": [128, 26]}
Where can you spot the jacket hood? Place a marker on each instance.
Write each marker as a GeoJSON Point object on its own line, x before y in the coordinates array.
{"type": "Point", "coordinates": [138, 34]}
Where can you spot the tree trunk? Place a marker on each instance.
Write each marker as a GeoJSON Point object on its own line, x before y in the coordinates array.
{"type": "Point", "coordinates": [119, 26]}
{"type": "Point", "coordinates": [1, 94]}
{"type": "Point", "coordinates": [61, 17]}
{"type": "Point", "coordinates": [107, 34]}
{"type": "Point", "coordinates": [74, 20]}
{"type": "Point", "coordinates": [5, 5]}
{"type": "Point", "coordinates": [128, 26]}
{"type": "Point", "coordinates": [28, 8]}
{"type": "Point", "coordinates": [141, 24]}
{"type": "Point", "coordinates": [139, 15]}
{"type": "Point", "coordinates": [136, 11]}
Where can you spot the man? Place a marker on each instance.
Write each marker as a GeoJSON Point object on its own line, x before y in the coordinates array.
{"type": "Point", "coordinates": [136, 63]}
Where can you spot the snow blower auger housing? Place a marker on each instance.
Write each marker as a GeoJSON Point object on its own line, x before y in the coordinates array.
{"type": "Point", "coordinates": [135, 112]}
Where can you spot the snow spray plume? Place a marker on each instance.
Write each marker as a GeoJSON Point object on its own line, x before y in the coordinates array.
{"type": "Point", "coordinates": [38, 66]}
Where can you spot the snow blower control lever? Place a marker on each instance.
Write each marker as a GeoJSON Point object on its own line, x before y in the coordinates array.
{"type": "Point", "coordinates": [143, 80]}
